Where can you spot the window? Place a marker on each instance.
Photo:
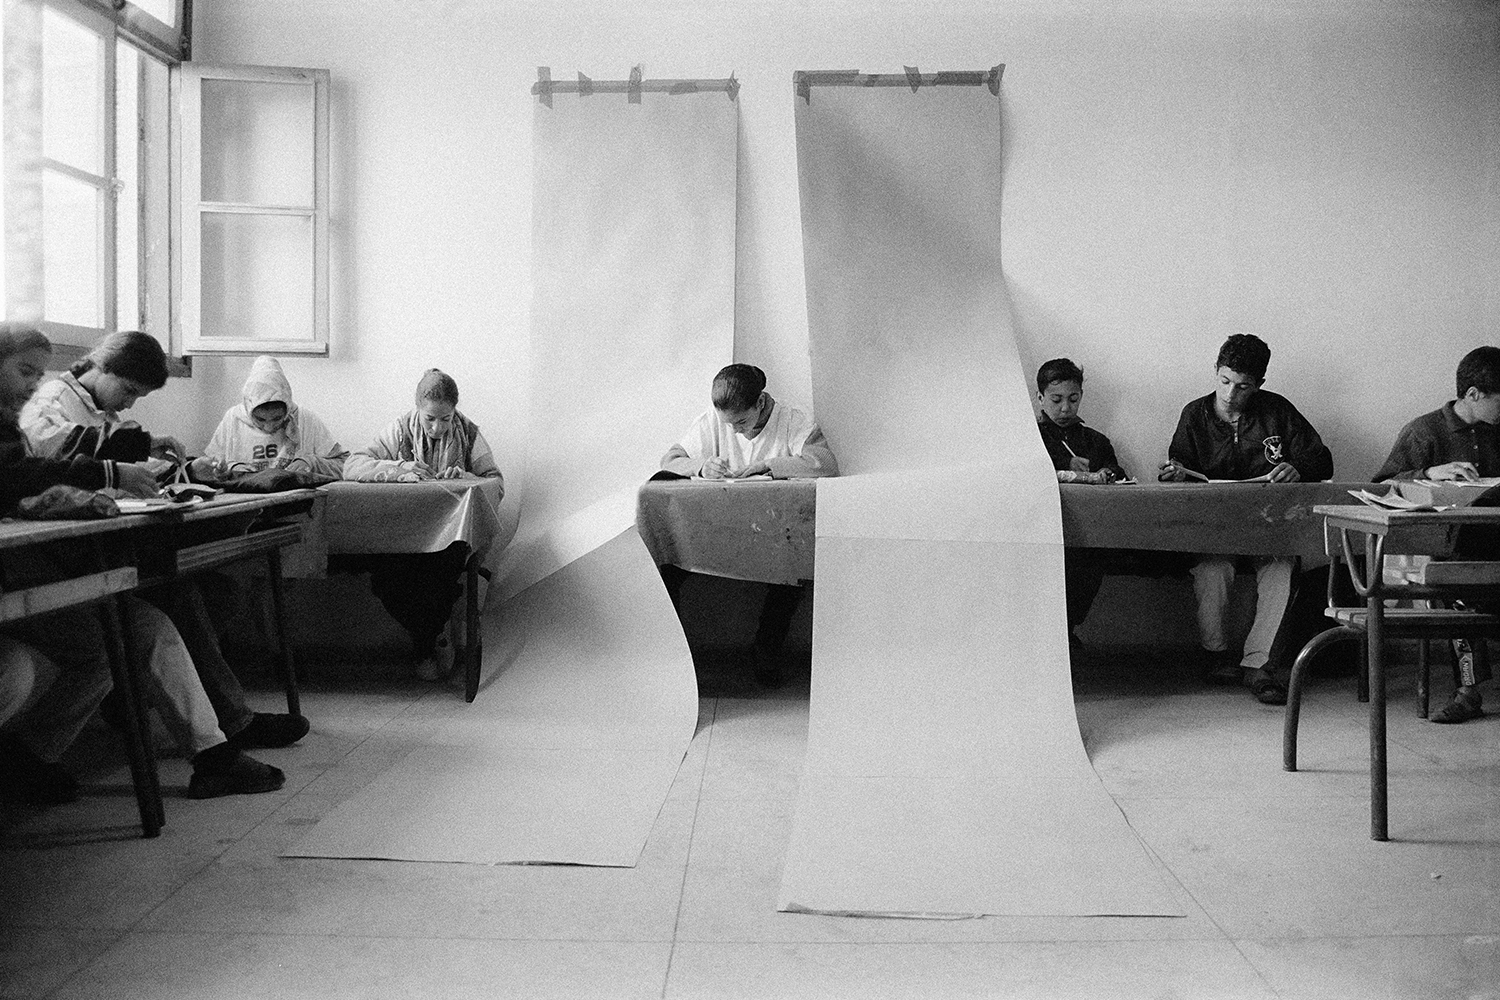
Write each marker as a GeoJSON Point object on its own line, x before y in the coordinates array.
{"type": "Point", "coordinates": [86, 167]}
{"type": "Point", "coordinates": [203, 222]}
{"type": "Point", "coordinates": [254, 210]}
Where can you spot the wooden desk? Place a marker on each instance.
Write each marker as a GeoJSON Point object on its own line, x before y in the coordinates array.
{"type": "Point", "coordinates": [99, 579]}
{"type": "Point", "coordinates": [141, 550]}
{"type": "Point", "coordinates": [1373, 534]}
{"type": "Point", "coordinates": [766, 531]}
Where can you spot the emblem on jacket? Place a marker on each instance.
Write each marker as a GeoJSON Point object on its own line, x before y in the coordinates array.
{"type": "Point", "coordinates": [1272, 446]}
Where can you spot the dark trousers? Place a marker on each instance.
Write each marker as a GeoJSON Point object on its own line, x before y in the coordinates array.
{"type": "Point", "coordinates": [417, 588]}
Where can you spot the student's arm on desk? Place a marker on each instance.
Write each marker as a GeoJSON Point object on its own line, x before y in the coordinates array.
{"type": "Point", "coordinates": [815, 460]}
{"type": "Point", "coordinates": [678, 461]}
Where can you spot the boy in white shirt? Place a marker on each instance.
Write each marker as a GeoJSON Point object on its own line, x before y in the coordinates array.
{"type": "Point", "coordinates": [747, 433]}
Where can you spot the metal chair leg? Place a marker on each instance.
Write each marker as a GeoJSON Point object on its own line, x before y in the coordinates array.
{"type": "Point", "coordinates": [1294, 690]}
{"type": "Point", "coordinates": [473, 651]}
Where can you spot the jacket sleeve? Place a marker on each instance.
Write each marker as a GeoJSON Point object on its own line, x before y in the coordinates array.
{"type": "Point", "coordinates": [379, 461]}
{"type": "Point", "coordinates": [1184, 447]}
{"type": "Point", "coordinates": [679, 461]}
{"type": "Point", "coordinates": [50, 431]}
{"type": "Point", "coordinates": [482, 462]}
{"type": "Point", "coordinates": [26, 477]}
{"type": "Point", "coordinates": [1105, 458]}
{"type": "Point", "coordinates": [815, 459]}
{"type": "Point", "coordinates": [323, 455]}
{"type": "Point", "coordinates": [1410, 458]}
{"type": "Point", "coordinates": [1306, 450]}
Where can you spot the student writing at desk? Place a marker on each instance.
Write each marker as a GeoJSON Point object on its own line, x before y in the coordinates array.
{"type": "Point", "coordinates": [78, 415]}
{"type": "Point", "coordinates": [72, 642]}
{"type": "Point", "coordinates": [1241, 431]}
{"type": "Point", "coordinates": [1458, 441]}
{"type": "Point", "coordinates": [1080, 451]}
{"type": "Point", "coordinates": [748, 433]}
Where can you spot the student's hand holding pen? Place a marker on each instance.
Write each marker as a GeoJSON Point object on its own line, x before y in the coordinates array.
{"type": "Point", "coordinates": [714, 468]}
{"type": "Point", "coordinates": [1171, 472]}
{"type": "Point", "coordinates": [1286, 472]}
{"type": "Point", "coordinates": [1461, 471]}
{"type": "Point", "coordinates": [1079, 464]}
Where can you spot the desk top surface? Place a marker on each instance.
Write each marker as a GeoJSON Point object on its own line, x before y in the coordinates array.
{"type": "Point", "coordinates": [1366, 517]}
{"type": "Point", "coordinates": [15, 533]}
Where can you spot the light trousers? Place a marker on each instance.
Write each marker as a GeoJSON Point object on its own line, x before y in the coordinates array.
{"type": "Point", "coordinates": [1212, 577]}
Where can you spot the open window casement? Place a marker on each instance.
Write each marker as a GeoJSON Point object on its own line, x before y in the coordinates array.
{"type": "Point", "coordinates": [252, 226]}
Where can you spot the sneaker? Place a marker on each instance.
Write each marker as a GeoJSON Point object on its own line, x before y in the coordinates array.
{"type": "Point", "coordinates": [438, 664]}
{"type": "Point", "coordinates": [1461, 708]}
{"type": "Point", "coordinates": [224, 770]}
{"type": "Point", "coordinates": [267, 730]}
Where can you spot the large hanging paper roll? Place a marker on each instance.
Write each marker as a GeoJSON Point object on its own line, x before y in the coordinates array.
{"type": "Point", "coordinates": [589, 699]}
{"type": "Point", "coordinates": [945, 774]}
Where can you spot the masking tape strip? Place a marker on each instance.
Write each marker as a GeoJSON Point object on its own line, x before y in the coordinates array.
{"type": "Point", "coordinates": [803, 80]}
{"type": "Point", "coordinates": [544, 88]}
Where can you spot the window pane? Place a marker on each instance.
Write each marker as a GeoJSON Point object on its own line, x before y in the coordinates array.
{"type": "Point", "coordinates": [71, 223]}
{"type": "Point", "coordinates": [257, 143]}
{"type": "Point", "coordinates": [164, 11]}
{"type": "Point", "coordinates": [72, 93]}
{"type": "Point", "coordinates": [257, 276]}
{"type": "Point", "coordinates": [128, 202]}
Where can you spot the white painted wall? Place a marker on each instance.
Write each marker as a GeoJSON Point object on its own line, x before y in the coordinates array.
{"type": "Point", "coordinates": [1323, 173]}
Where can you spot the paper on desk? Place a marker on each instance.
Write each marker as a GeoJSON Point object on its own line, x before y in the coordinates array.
{"type": "Point", "coordinates": [588, 700]}
{"type": "Point", "coordinates": [945, 774]}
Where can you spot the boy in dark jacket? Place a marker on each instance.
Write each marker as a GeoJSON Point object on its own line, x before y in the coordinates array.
{"type": "Point", "coordinates": [1238, 432]}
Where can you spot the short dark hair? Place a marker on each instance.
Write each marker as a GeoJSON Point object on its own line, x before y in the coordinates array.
{"type": "Point", "coordinates": [738, 387]}
{"type": "Point", "coordinates": [1244, 353]}
{"type": "Point", "coordinates": [128, 354]}
{"type": "Point", "coordinates": [437, 386]}
{"type": "Point", "coordinates": [1480, 368]}
{"type": "Point", "coordinates": [1057, 370]}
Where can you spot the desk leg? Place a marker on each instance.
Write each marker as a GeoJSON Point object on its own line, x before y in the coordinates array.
{"type": "Point", "coordinates": [283, 642]}
{"type": "Point", "coordinates": [473, 652]}
{"type": "Point", "coordinates": [138, 745]}
{"type": "Point", "coordinates": [1376, 641]}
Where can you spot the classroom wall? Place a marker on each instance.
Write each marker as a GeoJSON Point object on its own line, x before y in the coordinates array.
{"type": "Point", "coordinates": [1323, 173]}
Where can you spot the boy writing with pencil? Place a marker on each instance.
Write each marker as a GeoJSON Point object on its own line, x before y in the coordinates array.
{"type": "Point", "coordinates": [1458, 441]}
{"type": "Point", "coordinates": [1237, 432]}
{"type": "Point", "coordinates": [1076, 452]}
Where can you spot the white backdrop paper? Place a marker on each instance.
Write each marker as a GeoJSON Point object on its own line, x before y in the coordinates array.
{"type": "Point", "coordinates": [945, 774]}
{"type": "Point", "coordinates": [589, 698]}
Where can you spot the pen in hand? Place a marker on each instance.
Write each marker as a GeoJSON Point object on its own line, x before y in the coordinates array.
{"type": "Point", "coordinates": [1171, 471]}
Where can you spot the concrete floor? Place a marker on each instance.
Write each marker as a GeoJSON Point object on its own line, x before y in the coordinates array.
{"type": "Point", "coordinates": [1285, 894]}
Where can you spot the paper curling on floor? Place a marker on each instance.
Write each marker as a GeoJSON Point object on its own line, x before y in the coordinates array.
{"type": "Point", "coordinates": [588, 699]}
{"type": "Point", "coordinates": [945, 774]}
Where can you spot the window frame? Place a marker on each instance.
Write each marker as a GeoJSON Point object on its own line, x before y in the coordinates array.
{"type": "Point", "coordinates": [188, 138]}
{"type": "Point", "coordinates": [116, 23]}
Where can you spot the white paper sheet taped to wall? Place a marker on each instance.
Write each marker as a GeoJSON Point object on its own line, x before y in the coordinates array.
{"type": "Point", "coordinates": [945, 774]}
{"type": "Point", "coordinates": [589, 699]}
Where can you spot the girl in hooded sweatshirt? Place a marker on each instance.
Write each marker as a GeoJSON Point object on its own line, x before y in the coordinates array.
{"type": "Point", "coordinates": [267, 430]}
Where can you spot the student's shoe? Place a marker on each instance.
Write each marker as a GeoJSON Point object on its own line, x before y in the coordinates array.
{"type": "Point", "coordinates": [1265, 688]}
{"type": "Point", "coordinates": [25, 777]}
{"type": "Point", "coordinates": [1222, 667]}
{"type": "Point", "coordinates": [224, 770]}
{"type": "Point", "coordinates": [1461, 709]}
{"type": "Point", "coordinates": [268, 730]}
{"type": "Point", "coordinates": [438, 664]}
